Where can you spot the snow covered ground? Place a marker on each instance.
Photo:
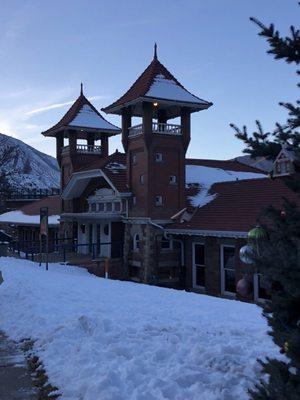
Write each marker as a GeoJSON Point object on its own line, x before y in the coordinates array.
{"type": "Point", "coordinates": [109, 340]}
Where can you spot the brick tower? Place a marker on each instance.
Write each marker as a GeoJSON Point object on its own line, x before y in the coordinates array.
{"type": "Point", "coordinates": [155, 148]}
{"type": "Point", "coordinates": [81, 139]}
{"type": "Point", "coordinates": [155, 151]}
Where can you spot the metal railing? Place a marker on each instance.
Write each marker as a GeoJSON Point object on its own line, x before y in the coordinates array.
{"type": "Point", "coordinates": [24, 194]}
{"type": "Point", "coordinates": [157, 127]}
{"type": "Point", "coordinates": [88, 149]}
{"type": "Point", "coordinates": [83, 149]}
{"type": "Point", "coordinates": [64, 250]}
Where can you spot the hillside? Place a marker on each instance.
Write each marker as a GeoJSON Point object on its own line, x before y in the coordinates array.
{"type": "Point", "coordinates": [26, 167]}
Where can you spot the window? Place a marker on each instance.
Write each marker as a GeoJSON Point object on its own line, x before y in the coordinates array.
{"type": "Point", "coordinates": [101, 207]}
{"type": "Point", "coordinates": [228, 269]}
{"type": "Point", "coordinates": [142, 178]}
{"type": "Point", "coordinates": [108, 207]}
{"type": "Point", "coordinates": [173, 179]}
{"type": "Point", "coordinates": [199, 265]}
{"type": "Point", "coordinates": [166, 244]}
{"type": "Point", "coordinates": [158, 200]}
{"type": "Point", "coordinates": [136, 242]}
{"type": "Point", "coordinates": [134, 159]}
{"type": "Point", "coordinates": [260, 288]}
{"type": "Point", "coordinates": [93, 207]}
{"type": "Point", "coordinates": [117, 206]}
{"type": "Point", "coordinates": [158, 157]}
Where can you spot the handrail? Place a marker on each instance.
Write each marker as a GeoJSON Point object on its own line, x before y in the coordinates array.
{"type": "Point", "coordinates": [157, 127]}
{"type": "Point", "coordinates": [88, 148]}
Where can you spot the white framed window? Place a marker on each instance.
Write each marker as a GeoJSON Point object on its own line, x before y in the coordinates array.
{"type": "Point", "coordinates": [166, 244]}
{"type": "Point", "coordinates": [228, 285]}
{"type": "Point", "coordinates": [117, 206]}
{"type": "Point", "coordinates": [260, 291]}
{"type": "Point", "coordinates": [101, 207]}
{"type": "Point", "coordinates": [158, 200]}
{"type": "Point", "coordinates": [93, 207]}
{"type": "Point", "coordinates": [198, 265]}
{"type": "Point", "coordinates": [173, 179]}
{"type": "Point", "coordinates": [158, 157]}
{"type": "Point", "coordinates": [136, 242]}
{"type": "Point", "coordinates": [134, 159]}
{"type": "Point", "coordinates": [142, 178]}
{"type": "Point", "coordinates": [109, 207]}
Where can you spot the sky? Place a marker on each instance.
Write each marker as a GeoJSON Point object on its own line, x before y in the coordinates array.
{"type": "Point", "coordinates": [47, 48]}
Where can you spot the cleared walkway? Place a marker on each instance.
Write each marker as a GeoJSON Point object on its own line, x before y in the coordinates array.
{"type": "Point", "coordinates": [15, 382]}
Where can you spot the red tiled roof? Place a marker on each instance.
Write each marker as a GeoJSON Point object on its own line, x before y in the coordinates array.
{"type": "Point", "coordinates": [119, 177]}
{"type": "Point", "coordinates": [228, 165]}
{"type": "Point", "coordinates": [52, 202]}
{"type": "Point", "coordinates": [142, 85]}
{"type": "Point", "coordinates": [73, 112]}
{"type": "Point", "coordinates": [238, 205]}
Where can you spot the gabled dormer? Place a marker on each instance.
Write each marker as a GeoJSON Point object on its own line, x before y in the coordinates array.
{"type": "Point", "coordinates": [286, 163]}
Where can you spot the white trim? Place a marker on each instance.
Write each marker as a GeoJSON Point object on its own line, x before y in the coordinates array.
{"type": "Point", "coordinates": [85, 175]}
{"type": "Point", "coordinates": [136, 242]}
{"type": "Point", "coordinates": [194, 268]}
{"type": "Point", "coordinates": [222, 270]}
{"type": "Point", "coordinates": [198, 232]}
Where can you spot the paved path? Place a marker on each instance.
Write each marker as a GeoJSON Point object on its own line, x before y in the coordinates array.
{"type": "Point", "coordinates": [15, 382]}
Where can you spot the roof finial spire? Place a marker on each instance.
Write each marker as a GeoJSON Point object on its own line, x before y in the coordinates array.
{"type": "Point", "coordinates": [155, 51]}
{"type": "Point", "coordinates": [81, 88]}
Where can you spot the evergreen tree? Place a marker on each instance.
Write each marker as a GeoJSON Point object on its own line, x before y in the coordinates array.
{"type": "Point", "coordinates": [279, 256]}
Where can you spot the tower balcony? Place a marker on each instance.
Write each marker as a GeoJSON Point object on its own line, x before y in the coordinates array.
{"type": "Point", "coordinates": [157, 127]}
{"type": "Point", "coordinates": [83, 149]}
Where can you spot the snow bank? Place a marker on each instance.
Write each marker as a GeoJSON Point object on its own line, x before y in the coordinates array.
{"type": "Point", "coordinates": [18, 217]}
{"type": "Point", "coordinates": [205, 177]}
{"type": "Point", "coordinates": [111, 340]}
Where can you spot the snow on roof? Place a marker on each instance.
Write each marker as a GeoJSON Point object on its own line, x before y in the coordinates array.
{"type": "Point", "coordinates": [115, 167]}
{"type": "Point", "coordinates": [88, 118]}
{"type": "Point", "coordinates": [164, 88]}
{"type": "Point", "coordinates": [18, 217]}
{"type": "Point", "coordinates": [205, 177]}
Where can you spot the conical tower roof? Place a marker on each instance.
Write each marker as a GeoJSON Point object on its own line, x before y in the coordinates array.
{"type": "Point", "coordinates": [157, 83]}
{"type": "Point", "coordinates": [83, 116]}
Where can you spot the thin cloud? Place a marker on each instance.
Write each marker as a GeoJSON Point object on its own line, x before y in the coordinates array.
{"type": "Point", "coordinates": [58, 105]}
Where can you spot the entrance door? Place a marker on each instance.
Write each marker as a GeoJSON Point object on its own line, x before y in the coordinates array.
{"type": "Point", "coordinates": [105, 239]}
{"type": "Point", "coordinates": [198, 265]}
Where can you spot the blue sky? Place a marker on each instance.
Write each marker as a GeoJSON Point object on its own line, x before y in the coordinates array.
{"type": "Point", "coordinates": [48, 47]}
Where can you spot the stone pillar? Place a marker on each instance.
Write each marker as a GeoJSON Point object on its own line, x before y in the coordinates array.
{"type": "Point", "coordinates": [126, 250]}
{"type": "Point", "coordinates": [150, 256]}
{"type": "Point", "coordinates": [59, 146]}
{"type": "Point", "coordinates": [90, 139]}
{"type": "Point", "coordinates": [104, 145]}
{"type": "Point", "coordinates": [185, 115]}
{"type": "Point", "coordinates": [126, 124]}
{"type": "Point", "coordinates": [162, 116]}
{"type": "Point", "coordinates": [72, 143]}
{"type": "Point", "coordinates": [147, 121]}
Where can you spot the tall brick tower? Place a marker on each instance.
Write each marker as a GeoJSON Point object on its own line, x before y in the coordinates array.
{"type": "Point", "coordinates": [156, 148]}
{"type": "Point", "coordinates": [81, 123]}
{"type": "Point", "coordinates": [81, 139]}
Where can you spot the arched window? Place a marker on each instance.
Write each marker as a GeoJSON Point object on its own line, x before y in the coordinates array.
{"type": "Point", "coordinates": [136, 242]}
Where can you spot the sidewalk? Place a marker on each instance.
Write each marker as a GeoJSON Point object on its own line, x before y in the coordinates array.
{"type": "Point", "coordinates": [15, 382]}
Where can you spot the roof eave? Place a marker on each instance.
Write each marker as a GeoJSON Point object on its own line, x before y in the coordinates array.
{"type": "Point", "coordinates": [117, 109]}
{"type": "Point", "coordinates": [52, 132]}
